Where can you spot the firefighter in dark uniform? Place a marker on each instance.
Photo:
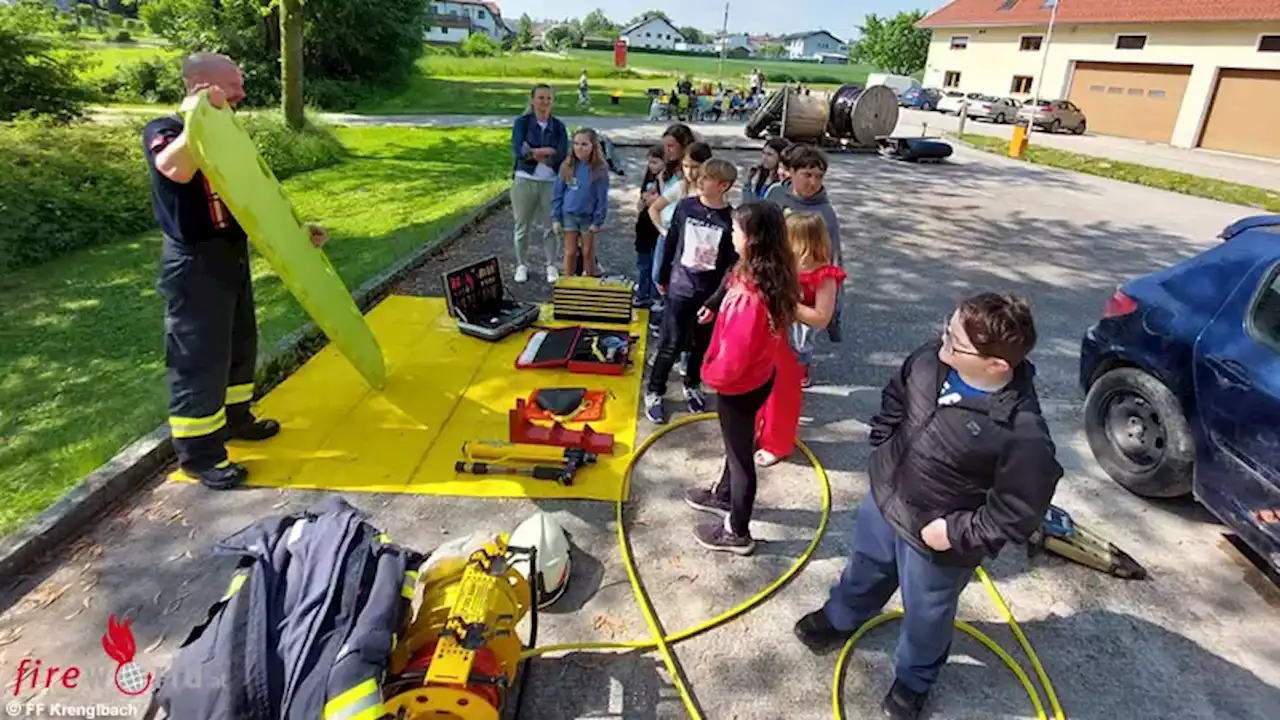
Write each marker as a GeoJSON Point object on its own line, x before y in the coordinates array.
{"type": "Point", "coordinates": [210, 332]}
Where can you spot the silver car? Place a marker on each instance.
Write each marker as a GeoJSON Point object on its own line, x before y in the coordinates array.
{"type": "Point", "coordinates": [1054, 115]}
{"type": "Point", "coordinates": [996, 109]}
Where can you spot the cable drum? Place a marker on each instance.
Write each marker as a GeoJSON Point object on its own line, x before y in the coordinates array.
{"type": "Point", "coordinates": [863, 114]}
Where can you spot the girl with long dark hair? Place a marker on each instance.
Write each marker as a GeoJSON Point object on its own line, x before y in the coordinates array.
{"type": "Point", "coordinates": [751, 327]}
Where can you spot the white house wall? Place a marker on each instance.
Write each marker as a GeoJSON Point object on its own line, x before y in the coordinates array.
{"type": "Point", "coordinates": [993, 58]}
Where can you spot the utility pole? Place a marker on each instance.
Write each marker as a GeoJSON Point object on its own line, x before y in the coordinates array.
{"type": "Point", "coordinates": [724, 44]}
{"type": "Point", "coordinates": [1044, 63]}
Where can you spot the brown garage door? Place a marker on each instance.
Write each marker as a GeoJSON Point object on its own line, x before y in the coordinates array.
{"type": "Point", "coordinates": [1136, 101]}
{"type": "Point", "coordinates": [1242, 115]}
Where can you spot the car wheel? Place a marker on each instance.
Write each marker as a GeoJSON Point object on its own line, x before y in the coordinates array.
{"type": "Point", "coordinates": [1080, 130]}
{"type": "Point", "coordinates": [1139, 435]}
{"type": "Point", "coordinates": [999, 119]}
{"type": "Point", "coordinates": [1054, 126]}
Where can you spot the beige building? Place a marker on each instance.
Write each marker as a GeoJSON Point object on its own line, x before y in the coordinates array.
{"type": "Point", "coordinates": [1192, 74]}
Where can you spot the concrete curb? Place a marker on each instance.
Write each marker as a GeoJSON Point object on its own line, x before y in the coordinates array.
{"type": "Point", "coordinates": [138, 463]}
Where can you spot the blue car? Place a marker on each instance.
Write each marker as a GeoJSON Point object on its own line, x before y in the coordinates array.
{"type": "Point", "coordinates": [1182, 376]}
{"type": "Point", "coordinates": [920, 98]}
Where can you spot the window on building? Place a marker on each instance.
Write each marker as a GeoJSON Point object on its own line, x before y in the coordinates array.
{"type": "Point", "coordinates": [1021, 84]}
{"type": "Point", "coordinates": [1269, 43]}
{"type": "Point", "coordinates": [1135, 91]}
{"type": "Point", "coordinates": [1131, 42]}
{"type": "Point", "coordinates": [1008, 4]}
{"type": "Point", "coordinates": [959, 42]}
{"type": "Point", "coordinates": [1048, 4]}
{"type": "Point", "coordinates": [1156, 94]}
{"type": "Point", "coordinates": [1115, 90]}
{"type": "Point", "coordinates": [1030, 43]}
{"type": "Point", "coordinates": [1097, 88]}
{"type": "Point", "coordinates": [480, 14]}
{"type": "Point", "coordinates": [951, 79]}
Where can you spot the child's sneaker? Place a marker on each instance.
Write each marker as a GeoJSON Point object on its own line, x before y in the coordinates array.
{"type": "Point", "coordinates": [552, 274]}
{"type": "Point", "coordinates": [640, 303]}
{"type": "Point", "coordinates": [654, 409]}
{"type": "Point", "coordinates": [522, 273]}
{"type": "Point", "coordinates": [806, 380]}
{"type": "Point", "coordinates": [715, 536]}
{"type": "Point", "coordinates": [696, 399]}
{"type": "Point", "coordinates": [706, 501]}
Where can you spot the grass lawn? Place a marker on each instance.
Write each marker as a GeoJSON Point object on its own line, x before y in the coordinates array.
{"type": "Point", "coordinates": [1178, 182]}
{"type": "Point", "coordinates": [428, 95]}
{"type": "Point", "coordinates": [81, 353]}
{"type": "Point", "coordinates": [706, 67]}
{"type": "Point", "coordinates": [106, 57]}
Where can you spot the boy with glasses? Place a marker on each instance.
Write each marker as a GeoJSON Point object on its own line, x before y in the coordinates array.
{"type": "Point", "coordinates": [962, 465]}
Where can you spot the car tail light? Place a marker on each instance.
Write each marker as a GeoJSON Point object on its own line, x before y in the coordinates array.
{"type": "Point", "coordinates": [1119, 305]}
{"type": "Point", "coordinates": [1046, 110]}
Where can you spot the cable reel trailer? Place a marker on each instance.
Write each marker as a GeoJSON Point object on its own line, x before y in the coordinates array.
{"type": "Point", "coordinates": [850, 118]}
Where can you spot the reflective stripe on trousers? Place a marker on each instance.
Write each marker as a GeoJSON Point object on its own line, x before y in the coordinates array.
{"type": "Point", "coordinates": [362, 702]}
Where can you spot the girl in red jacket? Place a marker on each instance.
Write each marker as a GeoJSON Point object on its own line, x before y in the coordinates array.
{"type": "Point", "coordinates": [751, 326]}
{"type": "Point", "coordinates": [819, 279]}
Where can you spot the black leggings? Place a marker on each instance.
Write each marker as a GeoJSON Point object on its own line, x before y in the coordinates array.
{"type": "Point", "coordinates": [737, 482]}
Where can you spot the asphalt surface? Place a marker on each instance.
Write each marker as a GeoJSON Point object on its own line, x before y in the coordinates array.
{"type": "Point", "coordinates": [1196, 641]}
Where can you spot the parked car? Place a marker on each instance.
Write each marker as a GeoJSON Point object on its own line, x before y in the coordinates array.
{"type": "Point", "coordinates": [920, 98]}
{"type": "Point", "coordinates": [951, 100]}
{"type": "Point", "coordinates": [1054, 115]}
{"type": "Point", "coordinates": [897, 83]}
{"type": "Point", "coordinates": [1182, 376]}
{"type": "Point", "coordinates": [996, 109]}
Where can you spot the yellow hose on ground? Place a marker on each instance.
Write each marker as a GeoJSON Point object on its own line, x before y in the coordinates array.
{"type": "Point", "coordinates": [662, 642]}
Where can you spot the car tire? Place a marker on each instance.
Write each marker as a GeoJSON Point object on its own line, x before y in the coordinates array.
{"type": "Point", "coordinates": [1054, 126]}
{"type": "Point", "coordinates": [1083, 126]}
{"type": "Point", "coordinates": [1139, 435]}
{"type": "Point", "coordinates": [999, 119]}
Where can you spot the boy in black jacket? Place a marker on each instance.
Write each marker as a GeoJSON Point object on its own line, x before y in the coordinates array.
{"type": "Point", "coordinates": [963, 464]}
{"type": "Point", "coordinates": [696, 255]}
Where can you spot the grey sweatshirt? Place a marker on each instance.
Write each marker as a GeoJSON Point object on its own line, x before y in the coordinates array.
{"type": "Point", "coordinates": [818, 203]}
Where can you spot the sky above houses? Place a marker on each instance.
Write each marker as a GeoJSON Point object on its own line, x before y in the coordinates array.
{"type": "Point", "coordinates": [753, 16]}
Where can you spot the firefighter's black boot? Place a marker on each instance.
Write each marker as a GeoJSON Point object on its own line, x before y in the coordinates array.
{"type": "Point", "coordinates": [255, 430]}
{"type": "Point", "coordinates": [225, 476]}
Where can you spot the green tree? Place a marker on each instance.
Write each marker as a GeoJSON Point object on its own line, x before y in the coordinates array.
{"type": "Point", "coordinates": [649, 15]}
{"type": "Point", "coordinates": [36, 75]}
{"type": "Point", "coordinates": [693, 35]}
{"type": "Point", "coordinates": [564, 35]}
{"type": "Point", "coordinates": [894, 44]}
{"type": "Point", "coordinates": [524, 31]}
{"type": "Point", "coordinates": [772, 50]}
{"type": "Point", "coordinates": [597, 24]}
{"type": "Point", "coordinates": [291, 27]}
{"type": "Point", "coordinates": [347, 45]}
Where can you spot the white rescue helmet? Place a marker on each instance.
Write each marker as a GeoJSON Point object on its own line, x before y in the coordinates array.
{"type": "Point", "coordinates": [545, 535]}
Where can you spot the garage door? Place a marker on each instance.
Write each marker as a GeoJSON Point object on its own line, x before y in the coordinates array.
{"type": "Point", "coordinates": [1135, 101]}
{"type": "Point", "coordinates": [1242, 115]}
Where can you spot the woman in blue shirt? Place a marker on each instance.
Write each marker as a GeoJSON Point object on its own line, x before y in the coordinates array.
{"type": "Point", "coordinates": [539, 144]}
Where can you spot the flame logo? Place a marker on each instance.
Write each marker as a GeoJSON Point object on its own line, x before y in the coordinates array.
{"type": "Point", "coordinates": [119, 646]}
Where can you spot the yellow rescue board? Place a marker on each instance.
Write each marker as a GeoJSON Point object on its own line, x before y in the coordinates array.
{"type": "Point", "coordinates": [228, 158]}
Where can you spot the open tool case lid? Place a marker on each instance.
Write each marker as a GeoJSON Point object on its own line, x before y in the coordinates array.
{"type": "Point", "coordinates": [578, 349]}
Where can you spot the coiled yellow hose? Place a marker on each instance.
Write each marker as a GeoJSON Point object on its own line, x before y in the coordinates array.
{"type": "Point", "coordinates": [662, 642]}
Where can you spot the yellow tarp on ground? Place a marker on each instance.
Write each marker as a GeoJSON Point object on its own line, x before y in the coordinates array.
{"type": "Point", "coordinates": [443, 389]}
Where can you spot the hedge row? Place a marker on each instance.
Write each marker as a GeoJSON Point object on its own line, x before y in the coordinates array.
{"type": "Point", "coordinates": [68, 187]}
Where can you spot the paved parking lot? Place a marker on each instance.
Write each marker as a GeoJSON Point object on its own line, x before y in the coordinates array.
{"type": "Point", "coordinates": [1197, 641]}
{"type": "Point", "coordinates": [1259, 172]}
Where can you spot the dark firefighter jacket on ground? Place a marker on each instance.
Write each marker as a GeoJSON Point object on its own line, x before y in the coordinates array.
{"type": "Point", "coordinates": [306, 627]}
{"type": "Point", "coordinates": [987, 465]}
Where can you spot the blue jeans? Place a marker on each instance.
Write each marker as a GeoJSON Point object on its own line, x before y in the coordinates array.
{"type": "Point", "coordinates": [881, 563]}
{"type": "Point", "coordinates": [645, 289]}
{"type": "Point", "coordinates": [657, 257]}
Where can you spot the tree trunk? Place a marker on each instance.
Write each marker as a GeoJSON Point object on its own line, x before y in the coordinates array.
{"type": "Point", "coordinates": [291, 62]}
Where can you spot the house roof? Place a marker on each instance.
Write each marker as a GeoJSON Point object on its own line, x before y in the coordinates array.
{"type": "Point", "coordinates": [987, 13]}
{"type": "Point", "coordinates": [806, 35]}
{"type": "Point", "coordinates": [634, 26]}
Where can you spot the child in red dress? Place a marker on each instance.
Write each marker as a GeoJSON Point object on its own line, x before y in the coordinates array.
{"type": "Point", "coordinates": [819, 280]}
